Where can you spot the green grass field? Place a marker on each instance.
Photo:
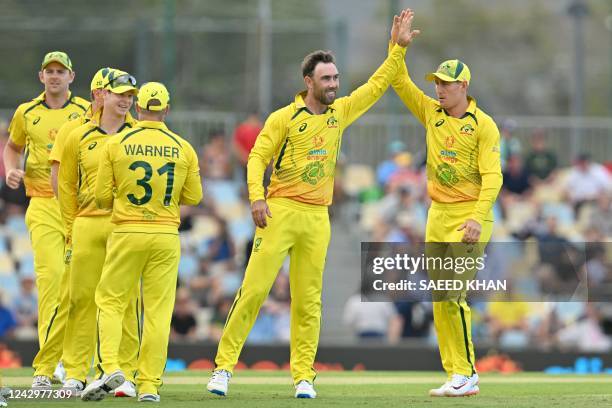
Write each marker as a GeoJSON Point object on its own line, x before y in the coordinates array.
{"type": "Point", "coordinates": [359, 389]}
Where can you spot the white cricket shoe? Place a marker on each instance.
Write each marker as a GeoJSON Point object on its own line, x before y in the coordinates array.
{"type": "Point", "coordinates": [75, 385]}
{"type": "Point", "coordinates": [127, 389]}
{"type": "Point", "coordinates": [5, 394]}
{"type": "Point", "coordinates": [59, 375]}
{"type": "Point", "coordinates": [98, 389]}
{"type": "Point", "coordinates": [148, 398]}
{"type": "Point", "coordinates": [462, 386]}
{"type": "Point", "coordinates": [219, 382]}
{"type": "Point", "coordinates": [304, 389]}
{"type": "Point", "coordinates": [440, 391]}
{"type": "Point", "coordinates": [41, 382]}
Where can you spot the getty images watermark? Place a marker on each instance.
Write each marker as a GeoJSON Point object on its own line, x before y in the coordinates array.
{"type": "Point", "coordinates": [453, 268]}
{"type": "Point", "coordinates": [497, 271]}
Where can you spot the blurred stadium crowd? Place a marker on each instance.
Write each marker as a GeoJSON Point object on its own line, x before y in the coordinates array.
{"type": "Point", "coordinates": [540, 202]}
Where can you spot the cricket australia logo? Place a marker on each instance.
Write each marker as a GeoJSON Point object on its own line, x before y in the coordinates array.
{"type": "Point", "coordinates": [332, 122]}
{"type": "Point", "coordinates": [467, 130]}
{"type": "Point", "coordinates": [313, 173]}
{"type": "Point", "coordinates": [257, 244]}
{"type": "Point", "coordinates": [447, 175]}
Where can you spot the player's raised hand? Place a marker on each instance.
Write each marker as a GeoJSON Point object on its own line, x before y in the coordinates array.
{"type": "Point", "coordinates": [260, 211]}
{"type": "Point", "coordinates": [395, 28]}
{"type": "Point", "coordinates": [405, 33]}
{"type": "Point", "coordinates": [14, 177]}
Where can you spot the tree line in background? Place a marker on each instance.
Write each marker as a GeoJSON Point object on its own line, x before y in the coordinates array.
{"type": "Point", "coordinates": [520, 52]}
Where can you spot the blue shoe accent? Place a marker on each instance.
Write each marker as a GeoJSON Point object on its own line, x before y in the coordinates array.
{"type": "Point", "coordinates": [218, 392]}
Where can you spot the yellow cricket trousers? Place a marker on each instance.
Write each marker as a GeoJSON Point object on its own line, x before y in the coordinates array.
{"type": "Point", "coordinates": [150, 252]}
{"type": "Point", "coordinates": [44, 223]}
{"type": "Point", "coordinates": [452, 316]}
{"type": "Point", "coordinates": [89, 238]}
{"type": "Point", "coordinates": [301, 231]}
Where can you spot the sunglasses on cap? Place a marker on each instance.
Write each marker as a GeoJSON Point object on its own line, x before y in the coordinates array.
{"type": "Point", "coordinates": [121, 80]}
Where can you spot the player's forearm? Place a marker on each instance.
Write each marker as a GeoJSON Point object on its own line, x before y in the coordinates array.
{"type": "Point", "coordinates": [491, 184]}
{"type": "Point", "coordinates": [192, 191]}
{"type": "Point", "coordinates": [104, 199]}
{"type": "Point", "coordinates": [256, 168]}
{"type": "Point", "coordinates": [383, 76]}
{"type": "Point", "coordinates": [54, 176]}
{"type": "Point", "coordinates": [411, 95]}
{"type": "Point", "coordinates": [11, 156]}
{"type": "Point", "coordinates": [67, 198]}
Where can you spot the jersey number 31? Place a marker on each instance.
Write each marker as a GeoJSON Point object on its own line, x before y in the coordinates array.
{"type": "Point", "coordinates": [144, 182]}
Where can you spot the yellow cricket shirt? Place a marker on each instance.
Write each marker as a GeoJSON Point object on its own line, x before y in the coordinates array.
{"type": "Point", "coordinates": [66, 129]}
{"type": "Point", "coordinates": [305, 146]}
{"type": "Point", "coordinates": [35, 126]}
{"type": "Point", "coordinates": [78, 171]}
{"type": "Point", "coordinates": [463, 156]}
{"type": "Point", "coordinates": [152, 171]}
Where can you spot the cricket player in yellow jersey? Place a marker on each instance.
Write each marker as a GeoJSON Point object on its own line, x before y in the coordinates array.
{"type": "Point", "coordinates": [145, 174]}
{"type": "Point", "coordinates": [89, 229]}
{"type": "Point", "coordinates": [463, 180]}
{"type": "Point", "coordinates": [34, 127]}
{"type": "Point", "coordinates": [304, 140]}
{"type": "Point", "coordinates": [54, 159]}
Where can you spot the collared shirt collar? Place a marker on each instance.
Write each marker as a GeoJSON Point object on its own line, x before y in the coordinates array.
{"type": "Point", "coordinates": [470, 111]}
{"type": "Point", "coordinates": [301, 105]}
{"type": "Point", "coordinates": [41, 98]}
{"type": "Point", "coordinates": [152, 124]}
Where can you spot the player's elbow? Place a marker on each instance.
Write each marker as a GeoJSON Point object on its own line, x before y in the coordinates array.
{"type": "Point", "coordinates": [492, 181]}
{"type": "Point", "coordinates": [192, 199]}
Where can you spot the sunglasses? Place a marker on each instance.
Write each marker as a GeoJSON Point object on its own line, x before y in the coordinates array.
{"type": "Point", "coordinates": [121, 80]}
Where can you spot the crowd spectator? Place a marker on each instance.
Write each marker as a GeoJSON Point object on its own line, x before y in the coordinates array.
{"type": "Point", "coordinates": [387, 167]}
{"type": "Point", "coordinates": [183, 323]}
{"type": "Point", "coordinates": [7, 321]}
{"type": "Point", "coordinates": [516, 177]}
{"type": "Point", "coordinates": [215, 161]}
{"type": "Point", "coordinates": [541, 162]}
{"type": "Point", "coordinates": [509, 144]}
{"type": "Point", "coordinates": [586, 181]}
{"type": "Point", "coordinates": [244, 137]}
{"type": "Point", "coordinates": [25, 308]}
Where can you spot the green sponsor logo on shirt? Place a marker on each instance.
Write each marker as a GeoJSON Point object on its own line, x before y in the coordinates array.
{"type": "Point", "coordinates": [313, 173]}
{"type": "Point", "coordinates": [447, 175]}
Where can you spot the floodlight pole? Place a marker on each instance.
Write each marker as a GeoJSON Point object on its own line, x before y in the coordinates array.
{"type": "Point", "coordinates": [265, 57]}
{"type": "Point", "coordinates": [578, 10]}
